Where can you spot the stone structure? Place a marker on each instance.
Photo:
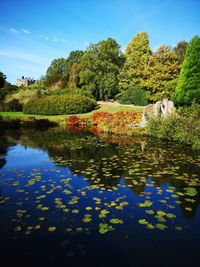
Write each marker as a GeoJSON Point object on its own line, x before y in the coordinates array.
{"type": "Point", "coordinates": [160, 109]}
{"type": "Point", "coordinates": [25, 81]}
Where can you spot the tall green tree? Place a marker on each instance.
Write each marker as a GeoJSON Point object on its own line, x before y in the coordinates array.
{"type": "Point", "coordinates": [188, 87]}
{"type": "Point", "coordinates": [71, 75]}
{"type": "Point", "coordinates": [2, 79]}
{"type": "Point", "coordinates": [137, 55]}
{"type": "Point", "coordinates": [161, 73]}
{"type": "Point", "coordinates": [180, 50]}
{"type": "Point", "coordinates": [100, 66]}
{"type": "Point", "coordinates": [74, 57]}
{"type": "Point", "coordinates": [55, 71]}
{"type": "Point", "coordinates": [58, 66]}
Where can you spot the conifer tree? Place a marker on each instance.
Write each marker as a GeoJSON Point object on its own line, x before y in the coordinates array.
{"type": "Point", "coordinates": [162, 69]}
{"type": "Point", "coordinates": [188, 87]}
{"type": "Point", "coordinates": [137, 55]}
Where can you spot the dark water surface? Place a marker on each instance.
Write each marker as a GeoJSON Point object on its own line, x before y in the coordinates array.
{"type": "Point", "coordinates": [73, 199]}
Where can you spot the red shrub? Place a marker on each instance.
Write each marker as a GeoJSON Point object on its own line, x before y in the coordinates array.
{"type": "Point", "coordinates": [73, 120]}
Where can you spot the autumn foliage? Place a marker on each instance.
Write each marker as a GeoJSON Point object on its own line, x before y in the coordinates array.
{"type": "Point", "coordinates": [118, 122]}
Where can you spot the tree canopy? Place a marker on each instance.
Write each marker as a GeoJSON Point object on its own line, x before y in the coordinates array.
{"type": "Point", "coordinates": [103, 71]}
{"type": "Point", "coordinates": [99, 68]}
{"type": "Point", "coordinates": [161, 70]}
{"type": "Point", "coordinates": [180, 50]}
{"type": "Point", "coordinates": [2, 79]}
{"type": "Point", "coordinates": [137, 56]}
{"type": "Point", "coordinates": [188, 87]}
{"type": "Point", "coordinates": [71, 75]}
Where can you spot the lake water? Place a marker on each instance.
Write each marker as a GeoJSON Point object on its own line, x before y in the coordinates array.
{"type": "Point", "coordinates": [73, 199]}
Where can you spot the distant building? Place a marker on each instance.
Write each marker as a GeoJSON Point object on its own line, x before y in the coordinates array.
{"type": "Point", "coordinates": [25, 81]}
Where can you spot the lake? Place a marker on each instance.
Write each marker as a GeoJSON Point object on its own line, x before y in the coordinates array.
{"type": "Point", "coordinates": [75, 199]}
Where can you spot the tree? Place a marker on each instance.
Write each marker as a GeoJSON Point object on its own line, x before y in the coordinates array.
{"type": "Point", "coordinates": [188, 87]}
{"type": "Point", "coordinates": [74, 57]}
{"type": "Point", "coordinates": [7, 89]}
{"type": "Point", "coordinates": [2, 79]}
{"type": "Point", "coordinates": [99, 68]}
{"type": "Point", "coordinates": [137, 55]}
{"type": "Point", "coordinates": [71, 75]}
{"type": "Point", "coordinates": [133, 95]}
{"type": "Point", "coordinates": [161, 70]}
{"type": "Point", "coordinates": [55, 71]}
{"type": "Point", "coordinates": [180, 50]}
{"type": "Point", "coordinates": [58, 66]}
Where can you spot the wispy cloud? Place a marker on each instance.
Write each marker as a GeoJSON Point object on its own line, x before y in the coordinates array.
{"type": "Point", "coordinates": [13, 30]}
{"type": "Point", "coordinates": [25, 31]}
{"type": "Point", "coordinates": [24, 56]}
{"type": "Point", "coordinates": [54, 39]}
{"type": "Point", "coordinates": [17, 31]}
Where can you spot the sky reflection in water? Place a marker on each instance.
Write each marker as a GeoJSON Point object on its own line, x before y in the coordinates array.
{"type": "Point", "coordinates": [75, 198]}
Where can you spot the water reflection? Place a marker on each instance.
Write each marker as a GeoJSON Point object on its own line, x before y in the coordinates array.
{"type": "Point", "coordinates": [89, 196]}
{"type": "Point", "coordinates": [104, 160]}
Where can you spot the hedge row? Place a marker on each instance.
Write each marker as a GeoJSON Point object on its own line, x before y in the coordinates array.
{"type": "Point", "coordinates": [57, 105]}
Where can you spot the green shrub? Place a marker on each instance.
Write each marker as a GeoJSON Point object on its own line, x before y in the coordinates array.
{"type": "Point", "coordinates": [57, 105]}
{"type": "Point", "coordinates": [13, 105]}
{"type": "Point", "coordinates": [183, 128]}
{"type": "Point", "coordinates": [134, 95]}
{"type": "Point", "coordinates": [67, 91]}
{"type": "Point", "coordinates": [23, 95]}
{"type": "Point", "coordinates": [193, 110]}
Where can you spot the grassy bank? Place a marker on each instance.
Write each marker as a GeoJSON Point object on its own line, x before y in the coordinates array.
{"type": "Point", "coordinates": [61, 119]}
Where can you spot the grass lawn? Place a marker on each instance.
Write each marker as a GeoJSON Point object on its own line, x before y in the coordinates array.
{"type": "Point", "coordinates": [61, 118]}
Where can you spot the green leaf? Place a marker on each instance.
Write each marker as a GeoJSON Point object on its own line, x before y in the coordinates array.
{"type": "Point", "coordinates": [161, 226]}
{"type": "Point", "coordinates": [142, 221]}
{"type": "Point", "coordinates": [170, 215]}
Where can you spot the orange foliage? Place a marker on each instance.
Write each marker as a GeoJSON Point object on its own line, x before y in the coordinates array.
{"type": "Point", "coordinates": [118, 122]}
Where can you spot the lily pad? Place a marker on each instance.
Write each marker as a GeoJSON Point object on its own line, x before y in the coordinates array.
{"type": "Point", "coordinates": [161, 226]}
{"type": "Point", "coordinates": [142, 221]}
{"type": "Point", "coordinates": [190, 191]}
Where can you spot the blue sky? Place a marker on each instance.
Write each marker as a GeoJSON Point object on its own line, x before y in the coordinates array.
{"type": "Point", "coordinates": [33, 33]}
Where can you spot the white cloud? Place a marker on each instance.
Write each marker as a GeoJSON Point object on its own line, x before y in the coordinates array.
{"type": "Point", "coordinates": [13, 30]}
{"type": "Point", "coordinates": [24, 56]}
{"type": "Point", "coordinates": [54, 39]}
{"type": "Point", "coordinates": [25, 31]}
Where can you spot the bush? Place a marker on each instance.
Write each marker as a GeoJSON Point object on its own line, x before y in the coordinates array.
{"type": "Point", "coordinates": [193, 110]}
{"type": "Point", "coordinates": [184, 129]}
{"type": "Point", "coordinates": [2, 106]}
{"type": "Point", "coordinates": [57, 105]}
{"type": "Point", "coordinates": [134, 95]}
{"type": "Point", "coordinates": [116, 122]}
{"type": "Point", "coordinates": [66, 91]}
{"type": "Point", "coordinates": [25, 94]}
{"type": "Point", "coordinates": [13, 105]}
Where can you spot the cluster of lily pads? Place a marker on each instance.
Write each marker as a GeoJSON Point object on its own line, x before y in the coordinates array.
{"type": "Point", "coordinates": [93, 187]}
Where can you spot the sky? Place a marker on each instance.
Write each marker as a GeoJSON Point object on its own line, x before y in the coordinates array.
{"type": "Point", "coordinates": [33, 33]}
